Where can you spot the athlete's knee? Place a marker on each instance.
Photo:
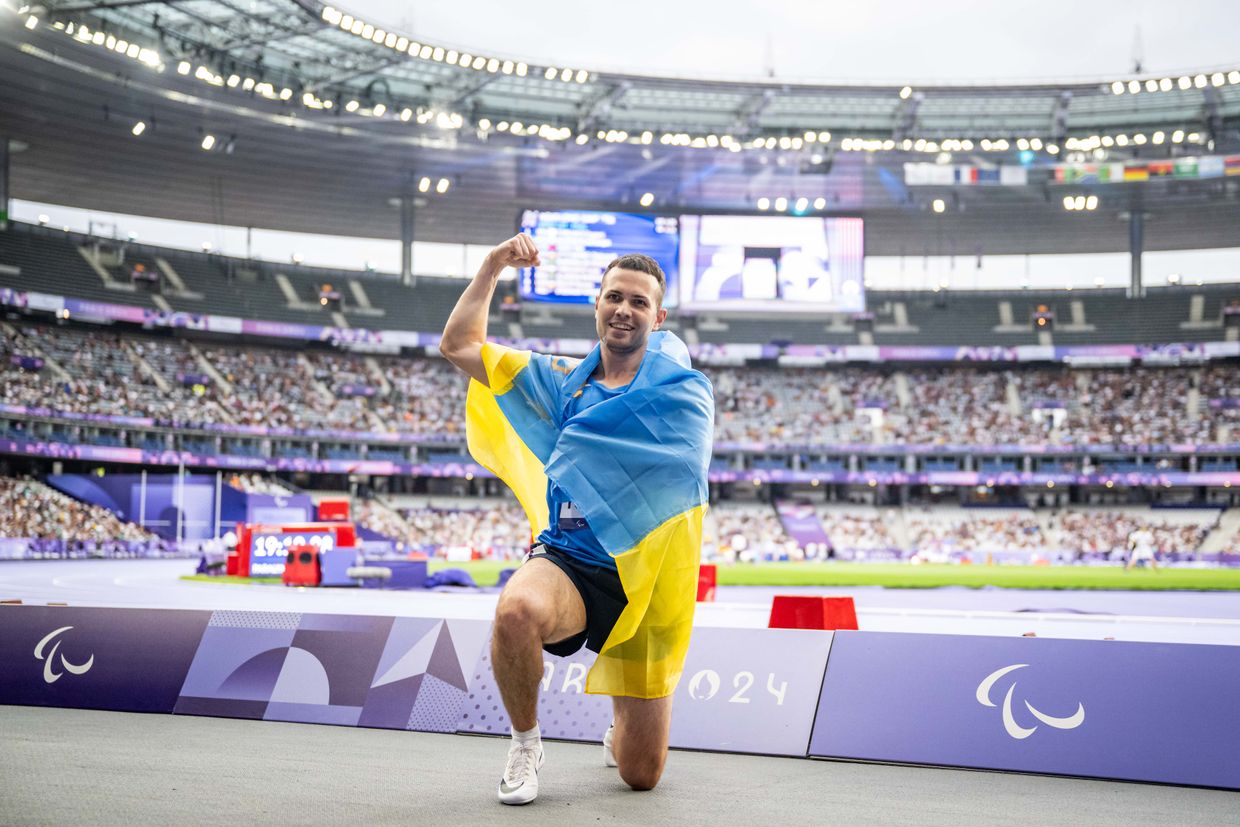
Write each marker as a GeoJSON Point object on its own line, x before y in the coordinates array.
{"type": "Point", "coordinates": [521, 612]}
{"type": "Point", "coordinates": [642, 772]}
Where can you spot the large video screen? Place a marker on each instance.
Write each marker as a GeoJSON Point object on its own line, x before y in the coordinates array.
{"type": "Point", "coordinates": [574, 247]}
{"type": "Point", "coordinates": [771, 263]}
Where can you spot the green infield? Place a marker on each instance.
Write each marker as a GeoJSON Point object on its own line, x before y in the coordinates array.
{"type": "Point", "coordinates": [899, 576]}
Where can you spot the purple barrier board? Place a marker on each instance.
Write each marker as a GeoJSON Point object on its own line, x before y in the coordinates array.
{"type": "Point", "coordinates": [750, 690]}
{"type": "Point", "coordinates": [391, 673]}
{"type": "Point", "coordinates": [565, 711]}
{"type": "Point", "coordinates": [1106, 709]}
{"type": "Point", "coordinates": [130, 660]}
{"type": "Point", "coordinates": [743, 690]}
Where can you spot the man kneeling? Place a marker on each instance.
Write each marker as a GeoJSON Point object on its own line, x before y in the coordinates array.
{"type": "Point", "coordinates": [608, 455]}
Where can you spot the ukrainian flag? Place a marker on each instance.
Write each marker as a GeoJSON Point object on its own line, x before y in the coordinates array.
{"type": "Point", "coordinates": [634, 464]}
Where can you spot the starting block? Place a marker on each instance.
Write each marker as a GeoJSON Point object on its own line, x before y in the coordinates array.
{"type": "Point", "coordinates": [812, 612]}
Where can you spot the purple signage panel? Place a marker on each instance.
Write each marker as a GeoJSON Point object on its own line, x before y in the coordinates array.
{"type": "Point", "coordinates": [801, 523]}
{"type": "Point", "coordinates": [131, 660]}
{"type": "Point", "coordinates": [750, 690]}
{"type": "Point", "coordinates": [565, 711]}
{"type": "Point", "coordinates": [743, 690]}
{"type": "Point", "coordinates": [394, 673]}
{"type": "Point", "coordinates": [1131, 711]}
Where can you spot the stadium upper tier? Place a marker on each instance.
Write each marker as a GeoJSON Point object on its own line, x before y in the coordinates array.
{"type": "Point", "coordinates": [50, 261]}
{"type": "Point", "coordinates": [239, 392]}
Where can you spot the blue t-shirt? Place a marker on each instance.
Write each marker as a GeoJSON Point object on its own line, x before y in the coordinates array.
{"type": "Point", "coordinates": [568, 529]}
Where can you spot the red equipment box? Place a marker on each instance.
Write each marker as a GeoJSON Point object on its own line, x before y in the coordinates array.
{"type": "Point", "coordinates": [302, 566]}
{"type": "Point", "coordinates": [812, 612]}
{"type": "Point", "coordinates": [707, 580]}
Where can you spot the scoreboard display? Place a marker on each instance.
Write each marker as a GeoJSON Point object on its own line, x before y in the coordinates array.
{"type": "Point", "coordinates": [575, 246]}
{"type": "Point", "coordinates": [732, 263]}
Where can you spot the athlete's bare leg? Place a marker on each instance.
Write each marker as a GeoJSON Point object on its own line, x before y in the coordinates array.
{"type": "Point", "coordinates": [640, 745]}
{"type": "Point", "coordinates": [538, 605]}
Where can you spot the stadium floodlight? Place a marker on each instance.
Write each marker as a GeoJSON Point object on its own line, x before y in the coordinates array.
{"type": "Point", "coordinates": [286, 93]}
{"type": "Point", "coordinates": [1177, 136]}
{"type": "Point", "coordinates": [647, 137]}
{"type": "Point", "coordinates": [824, 137]}
{"type": "Point", "coordinates": [801, 205]}
{"type": "Point", "coordinates": [208, 142]}
{"type": "Point", "coordinates": [1117, 88]}
{"type": "Point", "coordinates": [781, 204]}
{"type": "Point", "coordinates": [1165, 85]}
{"type": "Point", "coordinates": [424, 185]}
{"type": "Point", "coordinates": [1139, 139]}
{"type": "Point", "coordinates": [1200, 81]}
{"type": "Point", "coordinates": [1069, 203]}
{"type": "Point", "coordinates": [810, 137]}
{"type": "Point", "coordinates": [407, 113]}
{"type": "Point", "coordinates": [351, 106]}
{"type": "Point", "coordinates": [442, 186]}
{"type": "Point", "coordinates": [647, 199]}
{"type": "Point", "coordinates": [1022, 144]}
{"type": "Point", "coordinates": [379, 110]}
{"type": "Point", "coordinates": [764, 203]}
{"type": "Point", "coordinates": [1151, 85]}
{"type": "Point", "coordinates": [1194, 137]}
{"type": "Point", "coordinates": [138, 128]}
{"type": "Point", "coordinates": [32, 22]}
{"type": "Point", "coordinates": [522, 70]}
{"type": "Point", "coordinates": [43, 219]}
{"type": "Point", "coordinates": [820, 203]}
{"type": "Point", "coordinates": [583, 138]}
{"type": "Point", "coordinates": [566, 75]}
{"type": "Point", "coordinates": [582, 75]}
{"type": "Point", "coordinates": [1121, 140]}
{"type": "Point", "coordinates": [550, 73]}
{"type": "Point", "coordinates": [1079, 203]}
{"type": "Point", "coordinates": [1091, 203]}
{"type": "Point", "coordinates": [1185, 82]}
{"type": "Point", "coordinates": [906, 92]}
{"type": "Point", "coordinates": [1134, 86]}
{"type": "Point", "coordinates": [939, 205]}
{"type": "Point", "coordinates": [1217, 79]}
{"type": "Point", "coordinates": [182, 68]}
{"type": "Point", "coordinates": [507, 67]}
{"type": "Point", "coordinates": [1053, 149]}
{"type": "Point", "coordinates": [1158, 137]}
{"type": "Point", "coordinates": [1233, 76]}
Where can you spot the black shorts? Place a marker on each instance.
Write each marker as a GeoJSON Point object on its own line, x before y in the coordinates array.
{"type": "Point", "coordinates": [600, 590]}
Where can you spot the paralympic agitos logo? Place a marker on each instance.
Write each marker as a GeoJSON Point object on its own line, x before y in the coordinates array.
{"type": "Point", "coordinates": [1009, 721]}
{"type": "Point", "coordinates": [50, 675]}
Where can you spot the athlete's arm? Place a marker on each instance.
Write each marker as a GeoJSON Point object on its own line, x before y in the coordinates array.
{"type": "Point", "coordinates": [466, 330]}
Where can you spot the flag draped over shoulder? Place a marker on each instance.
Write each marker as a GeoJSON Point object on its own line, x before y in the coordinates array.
{"type": "Point", "coordinates": [635, 464]}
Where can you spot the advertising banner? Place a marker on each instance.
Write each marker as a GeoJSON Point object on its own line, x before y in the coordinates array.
{"type": "Point", "coordinates": [392, 673]}
{"type": "Point", "coordinates": [1134, 711]}
{"type": "Point", "coordinates": [743, 690]}
{"type": "Point", "coordinates": [130, 660]}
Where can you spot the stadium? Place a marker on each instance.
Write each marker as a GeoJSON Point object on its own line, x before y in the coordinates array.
{"type": "Point", "coordinates": [974, 353]}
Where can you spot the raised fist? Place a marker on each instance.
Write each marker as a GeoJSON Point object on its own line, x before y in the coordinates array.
{"type": "Point", "coordinates": [518, 251]}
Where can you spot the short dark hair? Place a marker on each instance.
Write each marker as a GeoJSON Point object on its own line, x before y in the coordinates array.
{"type": "Point", "coordinates": [641, 264]}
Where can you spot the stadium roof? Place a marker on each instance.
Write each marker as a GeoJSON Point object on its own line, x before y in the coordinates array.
{"type": "Point", "coordinates": [318, 121]}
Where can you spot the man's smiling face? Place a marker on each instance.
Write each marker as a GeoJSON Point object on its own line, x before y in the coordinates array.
{"type": "Point", "coordinates": [628, 310]}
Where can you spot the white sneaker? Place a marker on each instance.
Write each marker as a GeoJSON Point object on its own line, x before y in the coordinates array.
{"type": "Point", "coordinates": [609, 737]}
{"type": "Point", "coordinates": [519, 784]}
